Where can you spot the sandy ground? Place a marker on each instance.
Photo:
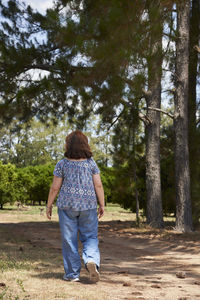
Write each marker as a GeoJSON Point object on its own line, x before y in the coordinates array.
{"type": "Point", "coordinates": [135, 263]}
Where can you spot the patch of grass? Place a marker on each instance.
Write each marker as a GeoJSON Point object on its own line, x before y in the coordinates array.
{"type": "Point", "coordinates": [3, 293]}
{"type": "Point", "coordinates": [12, 294]}
{"type": "Point", "coordinates": [113, 207]}
{"type": "Point", "coordinates": [8, 262]}
{"type": "Point", "coordinates": [26, 210]}
{"type": "Point", "coordinates": [113, 211]}
{"type": "Point", "coordinates": [20, 283]}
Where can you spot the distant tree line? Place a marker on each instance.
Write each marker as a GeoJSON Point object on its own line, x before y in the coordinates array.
{"type": "Point", "coordinates": [30, 185]}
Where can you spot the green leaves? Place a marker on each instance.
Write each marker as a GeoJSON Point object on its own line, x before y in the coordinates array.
{"type": "Point", "coordinates": [26, 185]}
{"type": "Point", "coordinates": [8, 178]}
{"type": "Point", "coordinates": [81, 44]}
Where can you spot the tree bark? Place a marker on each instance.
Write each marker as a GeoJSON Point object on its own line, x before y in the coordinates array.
{"type": "Point", "coordinates": [153, 180]}
{"type": "Point", "coordinates": [182, 172]}
{"type": "Point", "coordinates": [135, 179]}
{"type": "Point", "coordinates": [193, 64]}
{"type": "Point", "coordinates": [136, 197]}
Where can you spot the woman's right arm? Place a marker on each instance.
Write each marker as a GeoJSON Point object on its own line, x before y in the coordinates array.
{"type": "Point", "coordinates": [55, 187]}
{"type": "Point", "coordinates": [100, 193]}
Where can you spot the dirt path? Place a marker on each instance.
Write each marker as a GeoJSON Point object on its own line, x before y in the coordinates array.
{"type": "Point", "coordinates": [135, 263]}
{"type": "Point", "coordinates": [147, 264]}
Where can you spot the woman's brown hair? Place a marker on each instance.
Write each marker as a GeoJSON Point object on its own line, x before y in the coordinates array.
{"type": "Point", "coordinates": [77, 146]}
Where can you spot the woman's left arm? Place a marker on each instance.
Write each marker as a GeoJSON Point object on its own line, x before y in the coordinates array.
{"type": "Point", "coordinates": [54, 189]}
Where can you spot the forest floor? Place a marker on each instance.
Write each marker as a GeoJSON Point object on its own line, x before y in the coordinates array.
{"type": "Point", "coordinates": [136, 263]}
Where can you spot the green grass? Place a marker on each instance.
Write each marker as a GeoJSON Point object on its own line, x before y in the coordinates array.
{"type": "Point", "coordinates": [113, 207]}
{"type": "Point", "coordinates": [8, 262]}
{"type": "Point", "coordinates": [112, 210]}
{"type": "Point", "coordinates": [27, 210]}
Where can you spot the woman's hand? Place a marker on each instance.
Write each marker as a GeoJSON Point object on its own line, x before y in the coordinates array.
{"type": "Point", "coordinates": [100, 211]}
{"type": "Point", "coordinates": [49, 212]}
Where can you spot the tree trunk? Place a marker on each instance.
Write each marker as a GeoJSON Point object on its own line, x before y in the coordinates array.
{"type": "Point", "coordinates": [182, 172]}
{"type": "Point", "coordinates": [135, 178]}
{"type": "Point", "coordinates": [153, 180]}
{"type": "Point", "coordinates": [136, 197]}
{"type": "Point", "coordinates": [193, 63]}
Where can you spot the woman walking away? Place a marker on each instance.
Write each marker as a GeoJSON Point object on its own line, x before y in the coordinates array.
{"type": "Point", "coordinates": [78, 179]}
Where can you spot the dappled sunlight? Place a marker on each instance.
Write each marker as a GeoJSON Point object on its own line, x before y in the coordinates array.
{"type": "Point", "coordinates": [133, 259]}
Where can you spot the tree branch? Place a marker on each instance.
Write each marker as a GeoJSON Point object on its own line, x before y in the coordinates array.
{"type": "Point", "coordinates": [169, 91]}
{"type": "Point", "coordinates": [171, 36]}
{"type": "Point", "coordinates": [144, 118]}
{"type": "Point", "coordinates": [160, 110]}
{"type": "Point", "coordinates": [43, 67]}
{"type": "Point", "coordinates": [117, 118]}
{"type": "Point", "coordinates": [52, 68]}
{"type": "Point", "coordinates": [128, 81]}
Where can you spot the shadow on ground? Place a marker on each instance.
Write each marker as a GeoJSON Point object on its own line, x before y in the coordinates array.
{"type": "Point", "coordinates": [124, 247]}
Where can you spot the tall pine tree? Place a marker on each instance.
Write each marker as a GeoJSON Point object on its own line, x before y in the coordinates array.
{"type": "Point", "coordinates": [182, 173]}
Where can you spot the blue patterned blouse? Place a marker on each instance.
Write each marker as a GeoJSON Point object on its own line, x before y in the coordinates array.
{"type": "Point", "coordinates": [77, 191]}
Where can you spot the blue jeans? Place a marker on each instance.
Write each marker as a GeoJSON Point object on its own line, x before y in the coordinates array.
{"type": "Point", "coordinates": [86, 223]}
